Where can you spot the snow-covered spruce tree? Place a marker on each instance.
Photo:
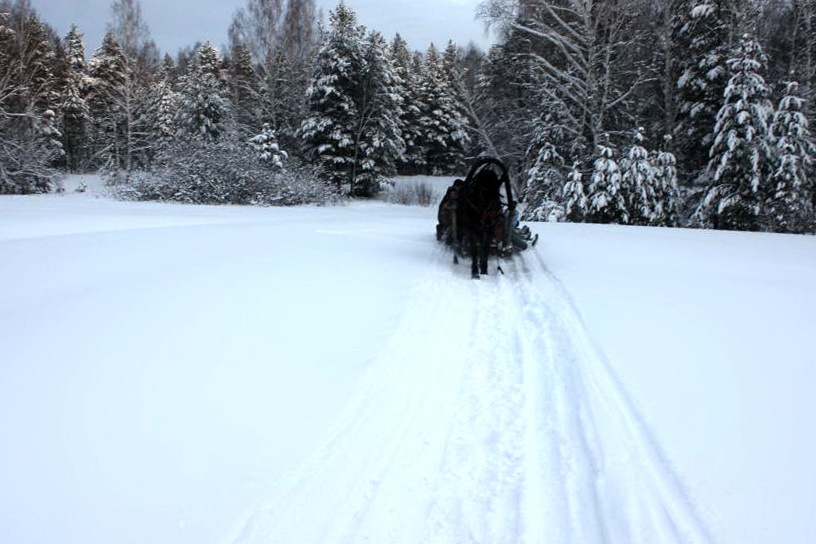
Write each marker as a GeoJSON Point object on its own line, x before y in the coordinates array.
{"type": "Point", "coordinates": [606, 198]}
{"type": "Point", "coordinates": [107, 97]}
{"type": "Point", "coordinates": [639, 180]}
{"type": "Point", "coordinates": [408, 77]}
{"type": "Point", "coordinates": [442, 120]}
{"type": "Point", "coordinates": [452, 66]}
{"type": "Point", "coordinates": [791, 202]}
{"type": "Point", "coordinates": [76, 116]}
{"type": "Point", "coordinates": [702, 32]}
{"type": "Point", "coordinates": [267, 147]}
{"type": "Point", "coordinates": [328, 131]}
{"type": "Point", "coordinates": [164, 106]}
{"type": "Point", "coordinates": [203, 105]}
{"type": "Point", "coordinates": [741, 155]}
{"type": "Point", "coordinates": [378, 135]}
{"type": "Point", "coordinates": [667, 196]}
{"type": "Point", "coordinates": [353, 127]}
{"type": "Point", "coordinates": [575, 200]}
{"type": "Point", "coordinates": [545, 185]}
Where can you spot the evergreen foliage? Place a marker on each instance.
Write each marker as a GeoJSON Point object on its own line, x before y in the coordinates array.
{"type": "Point", "coordinates": [379, 137]}
{"type": "Point", "coordinates": [164, 106]}
{"type": "Point", "coordinates": [565, 74]}
{"type": "Point", "coordinates": [607, 202]}
{"type": "Point", "coordinates": [546, 185]}
{"type": "Point", "coordinates": [575, 200]}
{"type": "Point", "coordinates": [353, 126]}
{"type": "Point", "coordinates": [703, 28]}
{"type": "Point", "coordinates": [76, 115]}
{"type": "Point", "coordinates": [667, 196]}
{"type": "Point", "coordinates": [741, 154]}
{"type": "Point", "coordinates": [327, 131]}
{"type": "Point", "coordinates": [791, 202]}
{"type": "Point", "coordinates": [203, 105]}
{"type": "Point", "coordinates": [266, 145]}
{"type": "Point", "coordinates": [442, 119]}
{"type": "Point", "coordinates": [639, 182]}
{"type": "Point", "coordinates": [29, 102]}
{"type": "Point", "coordinates": [408, 75]}
{"type": "Point", "coordinates": [110, 74]}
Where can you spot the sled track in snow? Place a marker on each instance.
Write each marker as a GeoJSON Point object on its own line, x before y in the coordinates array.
{"type": "Point", "coordinates": [489, 417]}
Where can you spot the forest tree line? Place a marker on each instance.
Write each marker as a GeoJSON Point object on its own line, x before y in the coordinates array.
{"type": "Point", "coordinates": [644, 112]}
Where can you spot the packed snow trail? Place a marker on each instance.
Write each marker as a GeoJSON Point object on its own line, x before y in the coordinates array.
{"type": "Point", "coordinates": [489, 417]}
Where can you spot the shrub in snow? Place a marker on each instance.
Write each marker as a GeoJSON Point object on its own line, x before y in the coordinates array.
{"type": "Point", "coordinates": [667, 194]}
{"type": "Point", "coordinates": [414, 194]}
{"type": "Point", "coordinates": [607, 201]}
{"type": "Point", "coordinates": [639, 179]}
{"type": "Point", "coordinates": [226, 172]}
{"type": "Point", "coordinates": [575, 200]}
{"type": "Point", "coordinates": [266, 144]}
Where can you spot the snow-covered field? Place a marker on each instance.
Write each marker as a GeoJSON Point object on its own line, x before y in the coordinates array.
{"type": "Point", "coordinates": [229, 375]}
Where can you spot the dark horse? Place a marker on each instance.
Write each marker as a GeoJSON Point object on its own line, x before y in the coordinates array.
{"type": "Point", "coordinates": [478, 218]}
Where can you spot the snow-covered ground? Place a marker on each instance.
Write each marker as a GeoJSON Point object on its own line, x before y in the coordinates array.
{"type": "Point", "coordinates": [243, 375]}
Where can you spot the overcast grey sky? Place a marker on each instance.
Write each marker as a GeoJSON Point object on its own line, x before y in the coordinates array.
{"type": "Point", "coordinates": [178, 23]}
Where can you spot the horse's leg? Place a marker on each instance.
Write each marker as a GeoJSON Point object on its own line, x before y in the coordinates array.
{"type": "Point", "coordinates": [473, 242]}
{"type": "Point", "coordinates": [484, 254]}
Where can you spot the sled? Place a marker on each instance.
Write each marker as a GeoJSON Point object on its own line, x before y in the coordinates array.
{"type": "Point", "coordinates": [474, 218]}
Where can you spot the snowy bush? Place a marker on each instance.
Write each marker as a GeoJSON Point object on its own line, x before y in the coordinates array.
{"type": "Point", "coordinates": [226, 172]}
{"type": "Point", "coordinates": [266, 145]}
{"type": "Point", "coordinates": [415, 194]}
{"type": "Point", "coordinates": [607, 199]}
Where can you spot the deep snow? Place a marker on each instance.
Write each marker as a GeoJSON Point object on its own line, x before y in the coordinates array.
{"type": "Point", "coordinates": [227, 374]}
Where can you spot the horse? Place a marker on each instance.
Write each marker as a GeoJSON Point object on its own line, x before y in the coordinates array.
{"type": "Point", "coordinates": [478, 217]}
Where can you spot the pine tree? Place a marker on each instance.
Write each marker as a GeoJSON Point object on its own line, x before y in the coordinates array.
{"type": "Point", "coordinates": [76, 116]}
{"type": "Point", "coordinates": [110, 74]}
{"type": "Point", "coordinates": [575, 200]}
{"type": "Point", "coordinates": [442, 120]}
{"type": "Point", "coordinates": [639, 180]}
{"type": "Point", "coordinates": [702, 34]}
{"type": "Point", "coordinates": [379, 143]}
{"type": "Point", "coordinates": [545, 182]}
{"type": "Point", "coordinates": [667, 196]}
{"type": "Point", "coordinates": [327, 132]}
{"type": "Point", "coordinates": [203, 106]}
{"type": "Point", "coordinates": [607, 201]}
{"type": "Point", "coordinates": [266, 144]}
{"type": "Point", "coordinates": [791, 204]}
{"type": "Point", "coordinates": [164, 106]}
{"type": "Point", "coordinates": [741, 155]}
{"type": "Point", "coordinates": [408, 77]}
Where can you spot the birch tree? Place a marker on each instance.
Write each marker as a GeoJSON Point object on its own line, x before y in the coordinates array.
{"type": "Point", "coordinates": [583, 52]}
